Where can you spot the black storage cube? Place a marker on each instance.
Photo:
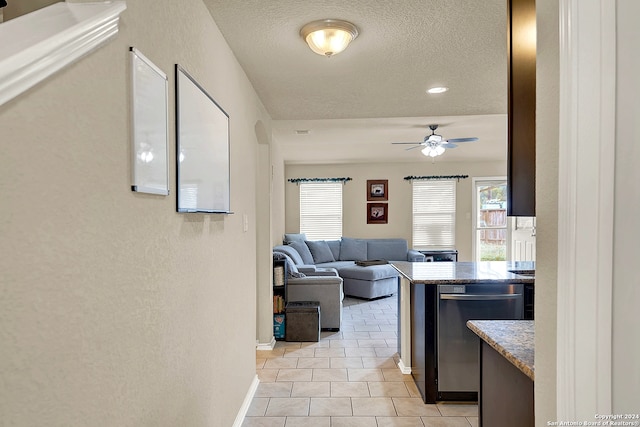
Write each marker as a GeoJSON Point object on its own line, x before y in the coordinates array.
{"type": "Point", "coordinates": [303, 321]}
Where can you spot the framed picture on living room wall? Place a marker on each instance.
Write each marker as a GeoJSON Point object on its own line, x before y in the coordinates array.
{"type": "Point", "coordinates": [377, 189]}
{"type": "Point", "coordinates": [377, 213]}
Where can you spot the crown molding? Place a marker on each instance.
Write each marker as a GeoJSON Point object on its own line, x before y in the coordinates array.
{"type": "Point", "coordinates": [45, 41]}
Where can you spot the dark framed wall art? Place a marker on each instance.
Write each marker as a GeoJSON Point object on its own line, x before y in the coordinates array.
{"type": "Point", "coordinates": [377, 189]}
{"type": "Point", "coordinates": [377, 213]}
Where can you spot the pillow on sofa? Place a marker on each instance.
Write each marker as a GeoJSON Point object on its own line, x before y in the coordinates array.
{"type": "Point", "coordinates": [291, 252]}
{"type": "Point", "coordinates": [320, 251]}
{"type": "Point", "coordinates": [291, 266]}
{"type": "Point", "coordinates": [294, 237]}
{"type": "Point", "coordinates": [334, 245]}
{"type": "Point", "coordinates": [389, 249]}
{"type": "Point", "coordinates": [303, 250]}
{"type": "Point", "coordinates": [353, 250]}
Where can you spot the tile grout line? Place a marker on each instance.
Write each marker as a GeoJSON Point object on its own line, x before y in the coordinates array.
{"type": "Point", "coordinates": [375, 349]}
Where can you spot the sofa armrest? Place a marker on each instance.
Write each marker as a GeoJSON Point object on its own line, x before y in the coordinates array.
{"type": "Point", "coordinates": [308, 269]}
{"type": "Point", "coordinates": [415, 256]}
{"type": "Point", "coordinates": [327, 290]}
{"type": "Point", "coordinates": [325, 271]}
{"type": "Point", "coordinates": [314, 281]}
{"type": "Point", "coordinates": [312, 270]}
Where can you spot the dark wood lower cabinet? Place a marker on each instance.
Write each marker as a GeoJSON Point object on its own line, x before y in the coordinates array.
{"type": "Point", "coordinates": [423, 340]}
{"type": "Point", "coordinates": [529, 306]}
{"type": "Point", "coordinates": [506, 394]}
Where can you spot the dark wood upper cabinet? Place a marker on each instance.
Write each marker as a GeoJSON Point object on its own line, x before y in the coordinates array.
{"type": "Point", "coordinates": [521, 156]}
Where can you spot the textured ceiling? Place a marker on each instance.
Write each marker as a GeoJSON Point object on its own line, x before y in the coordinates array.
{"type": "Point", "coordinates": [404, 47]}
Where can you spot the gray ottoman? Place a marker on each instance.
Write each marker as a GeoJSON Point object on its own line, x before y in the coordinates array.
{"type": "Point", "coordinates": [369, 282]}
{"type": "Point", "coordinates": [303, 321]}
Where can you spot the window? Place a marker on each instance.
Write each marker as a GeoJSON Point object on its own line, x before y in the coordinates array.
{"type": "Point", "coordinates": [434, 214]}
{"type": "Point", "coordinates": [321, 210]}
{"type": "Point", "coordinates": [490, 220]}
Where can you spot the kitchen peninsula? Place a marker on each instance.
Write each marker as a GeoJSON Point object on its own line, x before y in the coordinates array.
{"type": "Point", "coordinates": [435, 302]}
{"type": "Point", "coordinates": [507, 372]}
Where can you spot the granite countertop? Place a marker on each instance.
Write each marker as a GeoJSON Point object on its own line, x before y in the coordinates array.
{"type": "Point", "coordinates": [513, 339]}
{"type": "Point", "coordinates": [447, 273]}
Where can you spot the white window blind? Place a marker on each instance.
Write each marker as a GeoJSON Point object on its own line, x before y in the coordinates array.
{"type": "Point", "coordinates": [434, 214]}
{"type": "Point", "coordinates": [321, 210]}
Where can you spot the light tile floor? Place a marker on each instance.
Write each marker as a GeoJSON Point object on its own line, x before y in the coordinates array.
{"type": "Point", "coordinates": [348, 379]}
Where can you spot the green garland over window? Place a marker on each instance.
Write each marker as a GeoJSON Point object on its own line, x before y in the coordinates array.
{"type": "Point", "coordinates": [438, 177]}
{"type": "Point", "coordinates": [299, 180]}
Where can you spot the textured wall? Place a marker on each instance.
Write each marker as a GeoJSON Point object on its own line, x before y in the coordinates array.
{"type": "Point", "coordinates": [278, 185]}
{"type": "Point", "coordinates": [271, 181]}
{"type": "Point", "coordinates": [15, 9]}
{"type": "Point", "coordinates": [399, 225]}
{"type": "Point", "coordinates": [626, 293]}
{"type": "Point", "coordinates": [114, 309]}
{"type": "Point", "coordinates": [264, 265]}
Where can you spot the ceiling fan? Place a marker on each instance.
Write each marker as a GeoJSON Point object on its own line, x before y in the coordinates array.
{"type": "Point", "coordinates": [434, 145]}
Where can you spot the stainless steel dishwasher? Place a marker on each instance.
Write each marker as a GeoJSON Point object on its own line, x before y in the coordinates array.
{"type": "Point", "coordinates": [457, 347]}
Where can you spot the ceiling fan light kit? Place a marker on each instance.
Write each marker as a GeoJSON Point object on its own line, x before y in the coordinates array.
{"type": "Point", "coordinates": [434, 145]}
{"type": "Point", "coordinates": [328, 37]}
{"type": "Point", "coordinates": [433, 151]}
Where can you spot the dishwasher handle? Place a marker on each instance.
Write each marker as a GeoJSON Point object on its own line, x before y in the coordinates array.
{"type": "Point", "coordinates": [480, 297]}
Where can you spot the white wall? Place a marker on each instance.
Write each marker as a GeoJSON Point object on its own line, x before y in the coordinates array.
{"type": "Point", "coordinates": [115, 310]}
{"type": "Point", "coordinates": [278, 185]}
{"type": "Point", "coordinates": [400, 199]}
{"type": "Point", "coordinates": [15, 9]}
{"type": "Point", "coordinates": [620, 390]}
{"type": "Point", "coordinates": [264, 265]}
{"type": "Point", "coordinates": [626, 294]}
{"type": "Point", "coordinates": [547, 143]}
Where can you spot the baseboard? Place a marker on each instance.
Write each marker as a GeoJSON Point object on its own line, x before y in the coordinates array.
{"type": "Point", "coordinates": [247, 402]}
{"type": "Point", "coordinates": [404, 369]}
{"type": "Point", "coordinates": [266, 346]}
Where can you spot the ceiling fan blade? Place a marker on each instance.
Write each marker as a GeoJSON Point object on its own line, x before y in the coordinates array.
{"type": "Point", "coordinates": [411, 148]}
{"type": "Point", "coordinates": [407, 143]}
{"type": "Point", "coordinates": [462, 140]}
{"type": "Point", "coordinates": [448, 145]}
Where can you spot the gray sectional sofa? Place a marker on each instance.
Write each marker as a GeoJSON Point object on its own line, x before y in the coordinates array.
{"type": "Point", "coordinates": [328, 257]}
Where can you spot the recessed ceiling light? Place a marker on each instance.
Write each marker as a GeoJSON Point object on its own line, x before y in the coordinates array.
{"type": "Point", "coordinates": [438, 89]}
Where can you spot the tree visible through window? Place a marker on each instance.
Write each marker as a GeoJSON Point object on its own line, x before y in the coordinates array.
{"type": "Point", "coordinates": [321, 210]}
{"type": "Point", "coordinates": [434, 214]}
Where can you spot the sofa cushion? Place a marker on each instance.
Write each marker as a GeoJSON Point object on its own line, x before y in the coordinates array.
{"type": "Point", "coordinates": [294, 237]}
{"type": "Point", "coordinates": [370, 273]}
{"type": "Point", "coordinates": [353, 249]}
{"type": "Point", "coordinates": [389, 249]}
{"type": "Point", "coordinates": [334, 245]}
{"type": "Point", "coordinates": [336, 264]}
{"type": "Point", "coordinates": [303, 250]}
{"type": "Point", "coordinates": [292, 270]}
{"type": "Point", "coordinates": [291, 252]}
{"type": "Point", "coordinates": [320, 251]}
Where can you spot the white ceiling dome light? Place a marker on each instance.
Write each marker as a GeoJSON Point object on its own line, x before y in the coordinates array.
{"type": "Point", "coordinates": [328, 37]}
